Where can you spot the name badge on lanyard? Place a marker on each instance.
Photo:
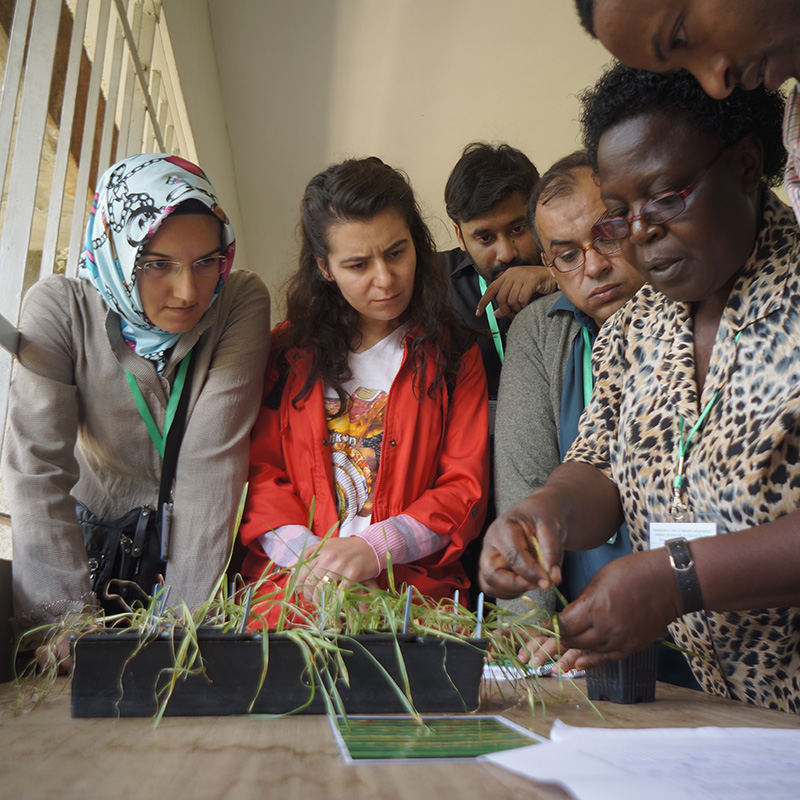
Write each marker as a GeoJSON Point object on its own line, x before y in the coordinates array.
{"type": "Point", "coordinates": [661, 531]}
{"type": "Point", "coordinates": [681, 522]}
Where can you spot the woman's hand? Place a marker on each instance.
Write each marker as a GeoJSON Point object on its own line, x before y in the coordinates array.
{"type": "Point", "coordinates": [625, 607]}
{"type": "Point", "coordinates": [523, 548]}
{"type": "Point", "coordinates": [577, 509]}
{"type": "Point", "coordinates": [347, 559]}
{"type": "Point", "coordinates": [55, 653]}
{"type": "Point", "coordinates": [542, 648]}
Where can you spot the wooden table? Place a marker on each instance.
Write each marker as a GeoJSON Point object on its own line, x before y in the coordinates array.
{"type": "Point", "coordinates": [46, 753]}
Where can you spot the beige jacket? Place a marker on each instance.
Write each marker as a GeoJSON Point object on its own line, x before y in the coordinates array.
{"type": "Point", "coordinates": [75, 434]}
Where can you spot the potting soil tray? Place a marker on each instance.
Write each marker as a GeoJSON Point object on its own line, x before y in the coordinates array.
{"type": "Point", "coordinates": [112, 679]}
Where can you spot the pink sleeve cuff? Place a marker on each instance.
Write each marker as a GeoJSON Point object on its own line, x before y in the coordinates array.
{"type": "Point", "coordinates": [402, 538]}
{"type": "Point", "coordinates": [287, 543]}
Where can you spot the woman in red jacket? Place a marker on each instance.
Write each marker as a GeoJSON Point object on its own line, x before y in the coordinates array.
{"type": "Point", "coordinates": [371, 446]}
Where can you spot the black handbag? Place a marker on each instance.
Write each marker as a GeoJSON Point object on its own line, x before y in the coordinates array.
{"type": "Point", "coordinates": [134, 548]}
{"type": "Point", "coordinates": [126, 549]}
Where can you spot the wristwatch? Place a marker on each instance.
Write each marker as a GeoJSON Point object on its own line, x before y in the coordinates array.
{"type": "Point", "coordinates": [688, 586]}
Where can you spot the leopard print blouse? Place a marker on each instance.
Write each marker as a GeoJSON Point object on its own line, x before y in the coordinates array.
{"type": "Point", "coordinates": [743, 470]}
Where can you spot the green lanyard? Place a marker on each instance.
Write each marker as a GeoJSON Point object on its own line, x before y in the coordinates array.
{"type": "Point", "coordinates": [498, 341]}
{"type": "Point", "coordinates": [177, 389]}
{"type": "Point", "coordinates": [588, 378]}
{"type": "Point", "coordinates": [685, 444]}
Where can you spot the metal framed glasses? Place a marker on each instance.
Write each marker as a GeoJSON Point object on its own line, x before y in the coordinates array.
{"type": "Point", "coordinates": [660, 209]}
{"type": "Point", "coordinates": [160, 270]}
{"type": "Point", "coordinates": [575, 257]}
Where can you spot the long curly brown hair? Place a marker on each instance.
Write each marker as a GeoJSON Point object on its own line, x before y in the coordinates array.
{"type": "Point", "coordinates": [322, 321]}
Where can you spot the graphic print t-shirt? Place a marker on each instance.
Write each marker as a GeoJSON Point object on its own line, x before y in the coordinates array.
{"type": "Point", "coordinates": [356, 434]}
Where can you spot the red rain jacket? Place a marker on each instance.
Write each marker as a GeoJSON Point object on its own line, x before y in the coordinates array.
{"type": "Point", "coordinates": [434, 465]}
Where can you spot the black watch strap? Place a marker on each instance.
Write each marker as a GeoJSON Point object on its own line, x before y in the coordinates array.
{"type": "Point", "coordinates": [682, 565]}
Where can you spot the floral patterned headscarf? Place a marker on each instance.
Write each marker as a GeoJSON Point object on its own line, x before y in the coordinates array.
{"type": "Point", "coordinates": [133, 198]}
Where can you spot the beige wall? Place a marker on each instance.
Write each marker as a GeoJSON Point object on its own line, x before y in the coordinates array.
{"type": "Point", "coordinates": [302, 83]}
{"type": "Point", "coordinates": [189, 26]}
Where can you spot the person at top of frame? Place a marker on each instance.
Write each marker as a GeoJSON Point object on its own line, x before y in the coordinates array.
{"type": "Point", "coordinates": [724, 44]}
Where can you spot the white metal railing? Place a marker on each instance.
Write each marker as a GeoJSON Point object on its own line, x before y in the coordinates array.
{"type": "Point", "coordinates": [9, 336]}
{"type": "Point", "coordinates": [121, 95]}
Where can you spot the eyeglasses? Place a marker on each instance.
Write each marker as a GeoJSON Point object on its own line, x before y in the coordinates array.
{"type": "Point", "coordinates": [160, 270]}
{"type": "Point", "coordinates": [575, 257]}
{"type": "Point", "coordinates": [660, 209]}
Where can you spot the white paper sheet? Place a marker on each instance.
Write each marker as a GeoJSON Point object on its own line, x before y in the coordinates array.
{"type": "Point", "coordinates": [664, 763]}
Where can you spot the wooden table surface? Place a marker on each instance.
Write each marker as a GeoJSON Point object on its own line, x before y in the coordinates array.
{"type": "Point", "coordinates": [46, 753]}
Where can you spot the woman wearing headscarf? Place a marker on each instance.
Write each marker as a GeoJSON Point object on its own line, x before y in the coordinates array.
{"type": "Point", "coordinates": [97, 364]}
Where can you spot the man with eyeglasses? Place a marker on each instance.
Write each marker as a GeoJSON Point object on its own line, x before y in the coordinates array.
{"type": "Point", "coordinates": [547, 376]}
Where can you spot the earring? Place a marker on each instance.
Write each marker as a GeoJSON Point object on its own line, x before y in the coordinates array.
{"type": "Point", "coordinates": [323, 268]}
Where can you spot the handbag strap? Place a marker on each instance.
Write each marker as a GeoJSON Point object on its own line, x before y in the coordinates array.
{"type": "Point", "coordinates": [174, 436]}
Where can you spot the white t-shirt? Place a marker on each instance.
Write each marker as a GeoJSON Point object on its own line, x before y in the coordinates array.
{"type": "Point", "coordinates": [356, 434]}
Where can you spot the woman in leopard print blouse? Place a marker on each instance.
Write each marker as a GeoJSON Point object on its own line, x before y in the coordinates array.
{"type": "Point", "coordinates": [685, 181]}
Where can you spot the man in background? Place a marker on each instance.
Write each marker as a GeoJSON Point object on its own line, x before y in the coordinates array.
{"type": "Point", "coordinates": [495, 269]}
{"type": "Point", "coordinates": [547, 377]}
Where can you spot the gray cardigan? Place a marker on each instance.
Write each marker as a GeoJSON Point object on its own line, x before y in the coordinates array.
{"type": "Point", "coordinates": [75, 434]}
{"type": "Point", "coordinates": [529, 408]}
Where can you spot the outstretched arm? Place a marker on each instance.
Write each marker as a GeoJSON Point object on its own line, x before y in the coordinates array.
{"type": "Point", "coordinates": [40, 468]}
{"type": "Point", "coordinates": [578, 508]}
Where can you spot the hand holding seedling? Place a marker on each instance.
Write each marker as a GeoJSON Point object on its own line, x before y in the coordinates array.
{"type": "Point", "coordinates": [542, 648]}
{"type": "Point", "coordinates": [626, 606]}
{"type": "Point", "coordinates": [523, 548]}
{"type": "Point", "coordinates": [55, 653]}
{"type": "Point", "coordinates": [578, 508]}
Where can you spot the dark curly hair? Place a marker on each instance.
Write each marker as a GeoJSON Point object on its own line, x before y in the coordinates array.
{"type": "Point", "coordinates": [624, 93]}
{"type": "Point", "coordinates": [586, 14]}
{"type": "Point", "coordinates": [484, 176]}
{"type": "Point", "coordinates": [324, 322]}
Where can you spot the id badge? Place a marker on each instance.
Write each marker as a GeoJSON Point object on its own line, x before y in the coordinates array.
{"type": "Point", "coordinates": [689, 527]}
